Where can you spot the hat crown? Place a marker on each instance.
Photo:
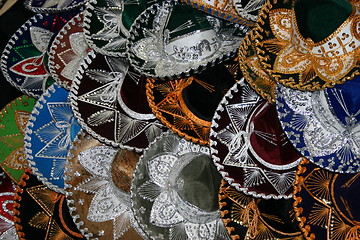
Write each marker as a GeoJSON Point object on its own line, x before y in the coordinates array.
{"type": "Point", "coordinates": [319, 19]}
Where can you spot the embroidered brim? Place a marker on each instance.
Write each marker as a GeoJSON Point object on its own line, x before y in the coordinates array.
{"type": "Point", "coordinates": [67, 51]}
{"type": "Point", "coordinates": [174, 191]}
{"type": "Point", "coordinates": [107, 24]}
{"type": "Point", "coordinates": [13, 120]}
{"type": "Point", "coordinates": [226, 9]}
{"type": "Point", "coordinates": [7, 193]}
{"type": "Point", "coordinates": [246, 217]}
{"type": "Point", "coordinates": [248, 9]}
{"type": "Point", "coordinates": [249, 146]}
{"type": "Point", "coordinates": [175, 40]}
{"type": "Point", "coordinates": [47, 136]}
{"type": "Point", "coordinates": [326, 203]}
{"type": "Point", "coordinates": [51, 6]}
{"type": "Point", "coordinates": [24, 59]}
{"type": "Point", "coordinates": [41, 213]}
{"type": "Point", "coordinates": [254, 73]}
{"type": "Point", "coordinates": [98, 179]}
{"type": "Point", "coordinates": [324, 125]}
{"type": "Point", "coordinates": [109, 101]}
{"type": "Point", "coordinates": [299, 62]}
{"type": "Point", "coordinates": [187, 105]}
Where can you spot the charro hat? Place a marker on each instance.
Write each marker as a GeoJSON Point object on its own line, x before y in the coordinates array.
{"type": "Point", "coordinates": [41, 213]}
{"type": "Point", "coordinates": [107, 24]}
{"type": "Point", "coordinates": [327, 203]}
{"type": "Point", "coordinates": [109, 101]}
{"type": "Point", "coordinates": [48, 136]}
{"type": "Point", "coordinates": [187, 105]}
{"type": "Point", "coordinates": [249, 146]}
{"type": "Point", "coordinates": [174, 191]}
{"type": "Point", "coordinates": [171, 40]}
{"type": "Point", "coordinates": [309, 45]}
{"type": "Point", "coordinates": [324, 125]}
{"type": "Point", "coordinates": [24, 59]}
{"type": "Point", "coordinates": [97, 180]}
{"type": "Point", "coordinates": [13, 119]}
{"type": "Point", "coordinates": [67, 51]}
{"type": "Point", "coordinates": [246, 217]}
{"type": "Point", "coordinates": [226, 9]}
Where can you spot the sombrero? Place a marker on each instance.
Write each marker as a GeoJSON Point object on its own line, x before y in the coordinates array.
{"type": "Point", "coordinates": [51, 6]}
{"type": "Point", "coordinates": [174, 191]}
{"type": "Point", "coordinates": [7, 192]}
{"type": "Point", "coordinates": [24, 59]}
{"type": "Point", "coordinates": [309, 45]}
{"type": "Point", "coordinates": [249, 146]}
{"type": "Point", "coordinates": [13, 119]}
{"type": "Point", "coordinates": [97, 180]}
{"type": "Point", "coordinates": [324, 125]}
{"type": "Point", "coordinates": [246, 217]}
{"type": "Point", "coordinates": [67, 51]}
{"type": "Point", "coordinates": [187, 105]}
{"type": "Point", "coordinates": [109, 101]}
{"type": "Point", "coordinates": [47, 136]}
{"type": "Point", "coordinates": [171, 40]}
{"type": "Point", "coordinates": [327, 203]}
{"type": "Point", "coordinates": [40, 213]}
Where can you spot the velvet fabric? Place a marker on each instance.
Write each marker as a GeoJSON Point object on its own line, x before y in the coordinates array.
{"type": "Point", "coordinates": [42, 213]}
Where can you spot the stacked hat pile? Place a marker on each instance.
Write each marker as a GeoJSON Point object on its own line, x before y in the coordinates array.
{"type": "Point", "coordinates": [191, 119]}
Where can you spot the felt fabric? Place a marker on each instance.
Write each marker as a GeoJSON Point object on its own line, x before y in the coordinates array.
{"type": "Point", "coordinates": [189, 104]}
{"type": "Point", "coordinates": [303, 63]}
{"type": "Point", "coordinates": [109, 101]}
{"type": "Point", "coordinates": [98, 181]}
{"type": "Point", "coordinates": [47, 136]}
{"type": "Point", "coordinates": [324, 125]}
{"type": "Point", "coordinates": [246, 217]}
{"type": "Point", "coordinates": [41, 213]}
{"type": "Point", "coordinates": [13, 119]}
{"type": "Point", "coordinates": [24, 57]}
{"type": "Point", "coordinates": [169, 199]}
{"type": "Point", "coordinates": [249, 146]}
{"type": "Point", "coordinates": [67, 51]}
{"type": "Point", "coordinates": [326, 204]}
{"type": "Point", "coordinates": [172, 40]}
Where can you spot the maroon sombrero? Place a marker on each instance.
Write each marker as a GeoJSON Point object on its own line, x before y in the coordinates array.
{"type": "Point", "coordinates": [249, 146]}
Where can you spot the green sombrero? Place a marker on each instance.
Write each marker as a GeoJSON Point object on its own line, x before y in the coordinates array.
{"type": "Point", "coordinates": [309, 45]}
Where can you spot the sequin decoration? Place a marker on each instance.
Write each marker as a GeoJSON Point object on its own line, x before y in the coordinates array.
{"type": "Point", "coordinates": [23, 61]}
{"type": "Point", "coordinates": [324, 125]}
{"type": "Point", "coordinates": [67, 51]}
{"type": "Point", "coordinates": [326, 204]}
{"type": "Point", "coordinates": [13, 119]}
{"type": "Point", "coordinates": [100, 209]}
{"type": "Point", "coordinates": [249, 146]}
{"type": "Point", "coordinates": [109, 101]}
{"type": "Point", "coordinates": [300, 63]}
{"type": "Point", "coordinates": [41, 213]}
{"type": "Point", "coordinates": [174, 40]}
{"type": "Point", "coordinates": [250, 218]}
{"type": "Point", "coordinates": [159, 192]}
{"type": "Point", "coordinates": [47, 138]}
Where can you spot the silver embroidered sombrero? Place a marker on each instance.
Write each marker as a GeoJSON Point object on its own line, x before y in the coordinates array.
{"type": "Point", "coordinates": [175, 40]}
{"type": "Point", "coordinates": [109, 101]}
{"type": "Point", "coordinates": [67, 51]}
{"type": "Point", "coordinates": [52, 6]}
{"type": "Point", "coordinates": [97, 181]}
{"type": "Point", "coordinates": [174, 191]}
{"type": "Point", "coordinates": [324, 125]}
{"type": "Point", "coordinates": [249, 146]}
